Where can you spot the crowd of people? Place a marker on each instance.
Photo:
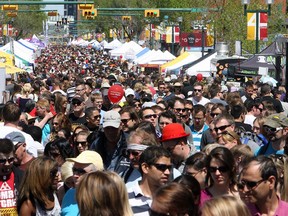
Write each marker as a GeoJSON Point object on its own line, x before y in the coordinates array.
{"type": "Point", "coordinates": [172, 145]}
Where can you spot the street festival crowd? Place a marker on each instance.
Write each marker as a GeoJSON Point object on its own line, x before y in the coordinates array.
{"type": "Point", "coordinates": [84, 134]}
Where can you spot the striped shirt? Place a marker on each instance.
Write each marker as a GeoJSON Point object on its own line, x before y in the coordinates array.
{"type": "Point", "coordinates": [197, 135]}
{"type": "Point", "coordinates": [139, 203]}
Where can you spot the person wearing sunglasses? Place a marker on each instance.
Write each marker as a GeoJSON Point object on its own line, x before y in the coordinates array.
{"type": "Point", "coordinates": [77, 116]}
{"type": "Point", "coordinates": [86, 162]}
{"type": "Point", "coordinates": [10, 176]}
{"type": "Point", "coordinates": [257, 186]}
{"type": "Point", "coordinates": [225, 122]}
{"type": "Point", "coordinates": [129, 119]}
{"type": "Point", "coordinates": [275, 129]}
{"type": "Point", "coordinates": [148, 114]}
{"type": "Point", "coordinates": [22, 157]}
{"type": "Point", "coordinates": [93, 117]}
{"type": "Point", "coordinates": [198, 97]}
{"type": "Point", "coordinates": [155, 167]}
{"type": "Point", "coordinates": [221, 175]}
{"type": "Point", "coordinates": [174, 139]}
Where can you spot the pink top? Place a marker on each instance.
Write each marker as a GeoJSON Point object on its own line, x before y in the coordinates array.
{"type": "Point", "coordinates": [281, 210]}
{"type": "Point", "coordinates": [204, 196]}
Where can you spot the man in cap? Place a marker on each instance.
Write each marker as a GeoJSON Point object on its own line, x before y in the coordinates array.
{"type": "Point", "coordinates": [77, 116]}
{"type": "Point", "coordinates": [129, 95]}
{"type": "Point", "coordinates": [110, 142]}
{"type": "Point", "coordinates": [10, 178]}
{"type": "Point", "coordinates": [86, 162]}
{"type": "Point", "coordinates": [276, 131]}
{"type": "Point", "coordinates": [174, 139]}
{"type": "Point", "coordinates": [22, 157]}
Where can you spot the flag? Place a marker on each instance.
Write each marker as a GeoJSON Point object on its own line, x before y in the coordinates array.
{"type": "Point", "coordinates": [262, 26]}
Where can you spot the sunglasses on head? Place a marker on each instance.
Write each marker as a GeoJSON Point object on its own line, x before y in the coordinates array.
{"type": "Point", "coordinates": [79, 171]}
{"type": "Point", "coordinates": [249, 184]}
{"type": "Point", "coordinates": [162, 167]}
{"type": "Point", "coordinates": [4, 161]}
{"type": "Point", "coordinates": [150, 116]}
{"type": "Point", "coordinates": [221, 169]}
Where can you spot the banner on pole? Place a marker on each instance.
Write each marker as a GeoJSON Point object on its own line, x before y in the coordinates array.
{"type": "Point", "coordinates": [262, 26]}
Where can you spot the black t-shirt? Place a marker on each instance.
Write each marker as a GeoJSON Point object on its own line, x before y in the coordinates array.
{"type": "Point", "coordinates": [76, 121]}
{"type": "Point", "coordinates": [277, 104]}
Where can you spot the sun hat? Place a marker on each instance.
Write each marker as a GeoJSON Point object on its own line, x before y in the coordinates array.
{"type": "Point", "coordinates": [173, 131]}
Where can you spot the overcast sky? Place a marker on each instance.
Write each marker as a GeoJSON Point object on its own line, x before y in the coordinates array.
{"type": "Point", "coordinates": [59, 8]}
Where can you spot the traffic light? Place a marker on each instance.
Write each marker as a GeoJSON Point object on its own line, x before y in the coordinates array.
{"type": "Point", "coordinates": [89, 14]}
{"type": "Point", "coordinates": [126, 18]}
{"type": "Point", "coordinates": [152, 13]}
{"type": "Point", "coordinates": [52, 13]}
{"type": "Point", "coordinates": [10, 7]}
{"type": "Point", "coordinates": [12, 14]}
{"type": "Point", "coordinates": [85, 6]}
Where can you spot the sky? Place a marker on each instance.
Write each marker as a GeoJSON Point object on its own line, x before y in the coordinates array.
{"type": "Point", "coordinates": [59, 8]}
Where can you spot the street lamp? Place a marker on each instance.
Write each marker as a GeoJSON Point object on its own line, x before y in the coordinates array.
{"type": "Point", "coordinates": [268, 11]}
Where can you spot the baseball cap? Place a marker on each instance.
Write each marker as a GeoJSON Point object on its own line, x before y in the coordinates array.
{"type": "Point", "coordinates": [16, 137]}
{"type": "Point", "coordinates": [88, 157]}
{"type": "Point", "coordinates": [173, 131]}
{"type": "Point", "coordinates": [276, 120]}
{"type": "Point", "coordinates": [128, 92]}
{"type": "Point", "coordinates": [111, 119]}
{"type": "Point", "coordinates": [105, 85]}
{"type": "Point", "coordinates": [146, 97]}
{"type": "Point", "coordinates": [77, 98]}
{"type": "Point", "coordinates": [177, 84]}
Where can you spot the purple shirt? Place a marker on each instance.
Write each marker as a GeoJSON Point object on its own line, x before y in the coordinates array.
{"type": "Point", "coordinates": [282, 209]}
{"type": "Point", "coordinates": [204, 196]}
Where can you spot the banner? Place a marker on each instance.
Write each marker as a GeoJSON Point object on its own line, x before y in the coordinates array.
{"type": "Point", "coordinates": [192, 39]}
{"type": "Point", "coordinates": [252, 26]}
{"type": "Point", "coordinates": [168, 35]}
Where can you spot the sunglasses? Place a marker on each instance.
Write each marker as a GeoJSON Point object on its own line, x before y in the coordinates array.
{"type": "Point", "coordinates": [124, 121]}
{"type": "Point", "coordinates": [221, 128]}
{"type": "Point", "coordinates": [137, 105]}
{"type": "Point", "coordinates": [221, 169]}
{"type": "Point", "coordinates": [127, 153]}
{"type": "Point", "coordinates": [197, 90]}
{"type": "Point", "coordinates": [261, 109]}
{"type": "Point", "coordinates": [83, 143]}
{"type": "Point", "coordinates": [76, 103]}
{"type": "Point", "coordinates": [97, 117]}
{"type": "Point", "coordinates": [180, 110]}
{"type": "Point", "coordinates": [4, 161]}
{"type": "Point", "coordinates": [249, 184]}
{"type": "Point", "coordinates": [214, 114]}
{"type": "Point", "coordinates": [154, 213]}
{"type": "Point", "coordinates": [150, 116]}
{"type": "Point", "coordinates": [78, 171]}
{"type": "Point", "coordinates": [162, 167]}
{"type": "Point", "coordinates": [272, 130]}
{"type": "Point", "coordinates": [54, 172]}
{"type": "Point", "coordinates": [55, 123]}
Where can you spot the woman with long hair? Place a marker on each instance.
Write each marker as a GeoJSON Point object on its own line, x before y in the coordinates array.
{"type": "Point", "coordinates": [99, 194]}
{"type": "Point", "coordinates": [37, 191]}
{"type": "Point", "coordinates": [221, 174]}
{"type": "Point", "coordinates": [59, 121]}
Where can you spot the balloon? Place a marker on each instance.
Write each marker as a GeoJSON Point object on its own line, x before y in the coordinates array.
{"type": "Point", "coordinates": [121, 56]}
{"type": "Point", "coordinates": [115, 93]}
{"type": "Point", "coordinates": [199, 77]}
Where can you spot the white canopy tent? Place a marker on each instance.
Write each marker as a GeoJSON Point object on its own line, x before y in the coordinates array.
{"type": "Point", "coordinates": [205, 67]}
{"type": "Point", "coordinates": [113, 44]}
{"type": "Point", "coordinates": [127, 50]}
{"type": "Point", "coordinates": [193, 56]}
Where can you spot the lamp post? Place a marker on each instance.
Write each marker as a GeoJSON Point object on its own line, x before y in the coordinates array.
{"type": "Point", "coordinates": [268, 11]}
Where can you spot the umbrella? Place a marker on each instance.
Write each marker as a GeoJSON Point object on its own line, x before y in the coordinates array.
{"type": "Point", "coordinates": [268, 79]}
{"type": "Point", "coordinates": [11, 69]}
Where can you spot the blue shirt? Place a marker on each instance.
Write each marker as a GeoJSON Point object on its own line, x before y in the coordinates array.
{"type": "Point", "coordinates": [69, 204]}
{"type": "Point", "coordinates": [197, 135]}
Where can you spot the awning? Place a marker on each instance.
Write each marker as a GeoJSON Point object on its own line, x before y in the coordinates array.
{"type": "Point", "coordinates": [11, 69]}
{"type": "Point", "coordinates": [174, 61]}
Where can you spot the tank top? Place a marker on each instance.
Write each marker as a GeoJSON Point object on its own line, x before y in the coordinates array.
{"type": "Point", "coordinates": [56, 211]}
